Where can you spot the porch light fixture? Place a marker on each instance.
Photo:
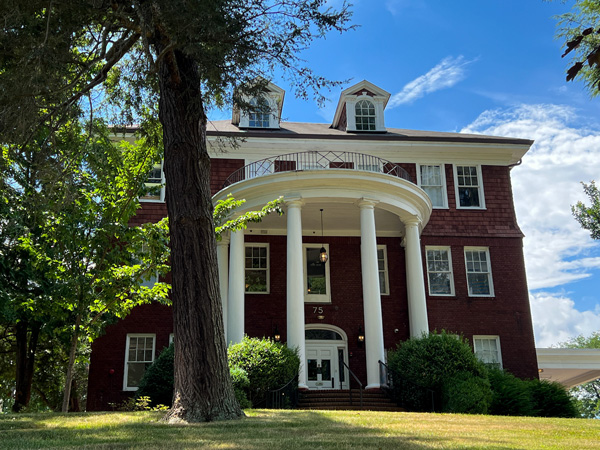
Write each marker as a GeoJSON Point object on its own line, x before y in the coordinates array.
{"type": "Point", "coordinates": [276, 335]}
{"type": "Point", "coordinates": [361, 337]}
{"type": "Point", "coordinates": [322, 253]}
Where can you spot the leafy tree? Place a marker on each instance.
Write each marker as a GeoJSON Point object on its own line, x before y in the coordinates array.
{"type": "Point", "coordinates": [589, 216]}
{"type": "Point", "coordinates": [188, 55]}
{"type": "Point", "coordinates": [581, 30]}
{"type": "Point", "coordinates": [66, 250]}
{"type": "Point", "coordinates": [586, 395]}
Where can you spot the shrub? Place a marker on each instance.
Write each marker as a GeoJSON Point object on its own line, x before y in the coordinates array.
{"type": "Point", "coordinates": [157, 382]}
{"type": "Point", "coordinates": [551, 399]}
{"type": "Point", "coordinates": [422, 365]}
{"type": "Point", "coordinates": [268, 365]}
{"type": "Point", "coordinates": [510, 395]}
{"type": "Point", "coordinates": [467, 394]}
{"type": "Point", "coordinates": [241, 383]}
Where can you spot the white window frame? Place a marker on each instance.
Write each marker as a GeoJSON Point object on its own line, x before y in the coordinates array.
{"type": "Point", "coordinates": [451, 271]}
{"type": "Point", "coordinates": [267, 270]}
{"type": "Point", "coordinates": [316, 298]}
{"type": "Point", "coordinates": [371, 105]}
{"type": "Point", "coordinates": [161, 198]}
{"type": "Point", "coordinates": [489, 271]}
{"type": "Point", "coordinates": [272, 114]}
{"type": "Point", "coordinates": [479, 186]}
{"type": "Point", "coordinates": [442, 168]}
{"type": "Point", "coordinates": [384, 290]}
{"type": "Point", "coordinates": [479, 351]}
{"type": "Point", "coordinates": [126, 368]}
{"type": "Point", "coordinates": [377, 102]}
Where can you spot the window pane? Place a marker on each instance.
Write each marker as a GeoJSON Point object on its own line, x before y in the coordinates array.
{"type": "Point", "coordinates": [312, 370]}
{"type": "Point", "coordinates": [439, 283]}
{"type": "Point", "coordinates": [256, 281]}
{"type": "Point", "coordinates": [478, 284]}
{"type": "Point", "coordinates": [316, 283]}
{"type": "Point", "coordinates": [135, 372]}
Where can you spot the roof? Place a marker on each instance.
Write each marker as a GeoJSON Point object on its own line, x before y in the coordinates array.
{"type": "Point", "coordinates": [300, 130]}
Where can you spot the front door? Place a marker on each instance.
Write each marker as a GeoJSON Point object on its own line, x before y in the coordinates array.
{"type": "Point", "coordinates": [324, 367]}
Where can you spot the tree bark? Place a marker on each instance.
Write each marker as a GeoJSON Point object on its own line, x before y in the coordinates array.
{"type": "Point", "coordinates": [203, 389]}
{"type": "Point", "coordinates": [26, 347]}
{"type": "Point", "coordinates": [71, 364]}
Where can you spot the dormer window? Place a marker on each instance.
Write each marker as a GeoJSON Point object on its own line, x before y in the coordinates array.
{"type": "Point", "coordinates": [262, 111]}
{"type": "Point", "coordinates": [361, 109]}
{"type": "Point", "coordinates": [260, 117]}
{"type": "Point", "coordinates": [365, 116]}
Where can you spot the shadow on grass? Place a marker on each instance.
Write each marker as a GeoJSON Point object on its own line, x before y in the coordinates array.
{"type": "Point", "coordinates": [261, 430]}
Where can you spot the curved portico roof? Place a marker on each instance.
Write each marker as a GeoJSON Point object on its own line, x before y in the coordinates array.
{"type": "Point", "coordinates": [339, 191]}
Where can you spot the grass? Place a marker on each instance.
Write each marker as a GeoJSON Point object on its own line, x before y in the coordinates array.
{"type": "Point", "coordinates": [289, 430]}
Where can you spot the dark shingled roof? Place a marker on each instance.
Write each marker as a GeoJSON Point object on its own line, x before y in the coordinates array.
{"type": "Point", "coordinates": [299, 130]}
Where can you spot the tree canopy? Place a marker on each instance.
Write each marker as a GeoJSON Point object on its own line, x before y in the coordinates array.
{"type": "Point", "coordinates": [184, 56]}
{"type": "Point", "coordinates": [581, 31]}
{"type": "Point", "coordinates": [589, 216]}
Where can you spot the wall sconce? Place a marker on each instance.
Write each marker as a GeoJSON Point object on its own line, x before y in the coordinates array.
{"type": "Point", "coordinates": [322, 253]}
{"type": "Point", "coordinates": [276, 335]}
{"type": "Point", "coordinates": [361, 337]}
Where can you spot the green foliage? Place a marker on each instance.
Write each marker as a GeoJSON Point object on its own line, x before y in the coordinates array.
{"type": "Point", "coordinates": [589, 216]}
{"type": "Point", "coordinates": [158, 380]}
{"type": "Point", "coordinates": [467, 394]}
{"type": "Point", "coordinates": [223, 208]}
{"type": "Point", "coordinates": [268, 365]}
{"type": "Point", "coordinates": [551, 399]}
{"type": "Point", "coordinates": [515, 397]}
{"type": "Point", "coordinates": [422, 370]}
{"type": "Point", "coordinates": [579, 28]}
{"type": "Point", "coordinates": [511, 395]}
{"type": "Point", "coordinates": [241, 385]}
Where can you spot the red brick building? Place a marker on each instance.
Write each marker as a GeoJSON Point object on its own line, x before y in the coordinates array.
{"type": "Point", "coordinates": [419, 231]}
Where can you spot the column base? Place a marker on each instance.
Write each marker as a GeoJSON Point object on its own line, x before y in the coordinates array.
{"type": "Point", "coordinates": [373, 386]}
{"type": "Point", "coordinates": [302, 387]}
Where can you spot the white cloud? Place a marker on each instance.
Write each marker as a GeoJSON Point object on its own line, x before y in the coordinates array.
{"type": "Point", "coordinates": [410, 7]}
{"type": "Point", "coordinates": [446, 74]}
{"type": "Point", "coordinates": [556, 319]}
{"type": "Point", "coordinates": [557, 250]}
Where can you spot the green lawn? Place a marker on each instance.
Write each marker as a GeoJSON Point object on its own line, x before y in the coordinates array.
{"type": "Point", "coordinates": [266, 430]}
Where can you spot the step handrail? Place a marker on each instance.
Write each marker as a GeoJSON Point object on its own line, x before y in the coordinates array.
{"type": "Point", "coordinates": [357, 380]}
{"type": "Point", "coordinates": [385, 378]}
{"type": "Point", "coordinates": [276, 397]}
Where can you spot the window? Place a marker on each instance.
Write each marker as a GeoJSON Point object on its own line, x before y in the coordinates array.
{"type": "Point", "coordinates": [432, 179]}
{"type": "Point", "coordinates": [259, 168]}
{"type": "Point", "coordinates": [257, 268]}
{"type": "Point", "coordinates": [469, 188]}
{"type": "Point", "coordinates": [383, 270]}
{"type": "Point", "coordinates": [316, 275]}
{"type": "Point", "coordinates": [154, 185]}
{"type": "Point", "coordinates": [487, 349]}
{"type": "Point", "coordinates": [439, 271]}
{"type": "Point", "coordinates": [259, 117]}
{"type": "Point", "coordinates": [150, 280]}
{"type": "Point", "coordinates": [365, 116]}
{"type": "Point", "coordinates": [139, 354]}
{"type": "Point", "coordinates": [479, 272]}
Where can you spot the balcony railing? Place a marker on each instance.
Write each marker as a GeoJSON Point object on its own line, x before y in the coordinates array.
{"type": "Point", "coordinates": [296, 162]}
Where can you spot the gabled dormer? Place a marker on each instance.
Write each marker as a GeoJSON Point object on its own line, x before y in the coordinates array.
{"type": "Point", "coordinates": [264, 111]}
{"type": "Point", "coordinates": [360, 109]}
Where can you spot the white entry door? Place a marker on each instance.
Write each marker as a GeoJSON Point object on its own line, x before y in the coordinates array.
{"type": "Point", "coordinates": [323, 366]}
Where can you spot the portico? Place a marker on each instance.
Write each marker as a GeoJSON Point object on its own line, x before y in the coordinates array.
{"type": "Point", "coordinates": [356, 203]}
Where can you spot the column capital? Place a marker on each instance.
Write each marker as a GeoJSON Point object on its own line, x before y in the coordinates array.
{"type": "Point", "coordinates": [224, 240]}
{"type": "Point", "coordinates": [367, 203]}
{"type": "Point", "coordinates": [412, 222]}
{"type": "Point", "coordinates": [294, 202]}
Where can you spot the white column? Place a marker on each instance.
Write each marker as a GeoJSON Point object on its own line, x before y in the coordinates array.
{"type": "Point", "coordinates": [223, 262]}
{"type": "Point", "coordinates": [295, 286]}
{"type": "Point", "coordinates": [417, 303]}
{"type": "Point", "coordinates": [237, 288]}
{"type": "Point", "coordinates": [371, 293]}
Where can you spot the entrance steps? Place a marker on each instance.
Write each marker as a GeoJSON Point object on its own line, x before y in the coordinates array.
{"type": "Point", "coordinates": [373, 400]}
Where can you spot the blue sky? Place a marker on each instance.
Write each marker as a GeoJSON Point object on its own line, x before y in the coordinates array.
{"type": "Point", "coordinates": [492, 67]}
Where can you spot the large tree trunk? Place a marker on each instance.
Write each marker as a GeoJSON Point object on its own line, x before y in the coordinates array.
{"type": "Point", "coordinates": [26, 347]}
{"type": "Point", "coordinates": [203, 388]}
